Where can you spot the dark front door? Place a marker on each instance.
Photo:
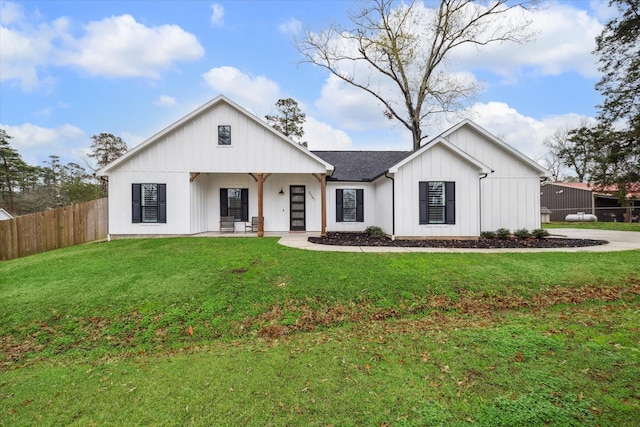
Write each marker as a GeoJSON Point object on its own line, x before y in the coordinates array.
{"type": "Point", "coordinates": [296, 207]}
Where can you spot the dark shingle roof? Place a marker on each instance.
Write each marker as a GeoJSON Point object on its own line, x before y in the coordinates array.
{"type": "Point", "coordinates": [360, 165]}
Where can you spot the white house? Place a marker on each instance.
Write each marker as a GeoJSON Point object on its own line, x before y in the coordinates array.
{"type": "Point", "coordinates": [4, 215]}
{"type": "Point", "coordinates": [221, 161]}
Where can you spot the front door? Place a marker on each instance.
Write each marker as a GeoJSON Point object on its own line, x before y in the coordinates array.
{"type": "Point", "coordinates": [296, 207]}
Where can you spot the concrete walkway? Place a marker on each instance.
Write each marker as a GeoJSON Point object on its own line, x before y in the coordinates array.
{"type": "Point", "coordinates": [618, 241]}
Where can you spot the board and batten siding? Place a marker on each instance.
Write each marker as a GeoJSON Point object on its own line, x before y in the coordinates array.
{"type": "Point", "coordinates": [437, 164]}
{"type": "Point", "coordinates": [384, 204]}
{"type": "Point", "coordinates": [178, 203]}
{"type": "Point", "coordinates": [510, 195]}
{"type": "Point", "coordinates": [193, 147]}
{"type": "Point", "coordinates": [369, 202]}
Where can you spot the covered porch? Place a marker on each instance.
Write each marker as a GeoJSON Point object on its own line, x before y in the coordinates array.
{"type": "Point", "coordinates": [281, 202]}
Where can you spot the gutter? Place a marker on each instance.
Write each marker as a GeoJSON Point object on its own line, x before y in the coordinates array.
{"type": "Point", "coordinates": [393, 205]}
{"type": "Point", "coordinates": [484, 175]}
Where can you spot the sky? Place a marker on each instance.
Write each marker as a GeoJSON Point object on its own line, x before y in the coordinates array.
{"type": "Point", "coordinates": [73, 69]}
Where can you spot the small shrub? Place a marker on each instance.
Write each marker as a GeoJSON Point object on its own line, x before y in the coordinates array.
{"type": "Point", "coordinates": [540, 233]}
{"type": "Point", "coordinates": [522, 233]}
{"type": "Point", "coordinates": [488, 235]}
{"type": "Point", "coordinates": [374, 231]}
{"type": "Point", "coordinates": [503, 233]}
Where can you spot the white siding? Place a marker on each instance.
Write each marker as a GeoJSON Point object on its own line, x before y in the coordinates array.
{"type": "Point", "coordinates": [369, 199]}
{"type": "Point", "coordinates": [511, 203]}
{"type": "Point", "coordinates": [511, 193]}
{"type": "Point", "coordinates": [194, 147]}
{"type": "Point", "coordinates": [384, 204]}
{"type": "Point", "coordinates": [178, 204]}
{"type": "Point", "coordinates": [437, 164]}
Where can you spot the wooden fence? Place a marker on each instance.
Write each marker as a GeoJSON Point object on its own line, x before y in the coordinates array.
{"type": "Point", "coordinates": [57, 228]}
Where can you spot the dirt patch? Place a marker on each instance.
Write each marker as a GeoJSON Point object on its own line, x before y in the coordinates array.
{"type": "Point", "coordinates": [362, 239]}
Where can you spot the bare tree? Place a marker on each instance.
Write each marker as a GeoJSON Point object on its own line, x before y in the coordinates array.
{"type": "Point", "coordinates": [398, 52]}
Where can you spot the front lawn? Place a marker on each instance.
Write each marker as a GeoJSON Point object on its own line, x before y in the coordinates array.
{"type": "Point", "coordinates": [614, 226]}
{"type": "Point", "coordinates": [187, 331]}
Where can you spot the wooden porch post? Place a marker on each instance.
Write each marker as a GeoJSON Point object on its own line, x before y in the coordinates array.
{"type": "Point", "coordinates": [323, 192]}
{"type": "Point", "coordinates": [322, 179]}
{"type": "Point", "coordinates": [262, 177]}
{"type": "Point", "coordinates": [260, 210]}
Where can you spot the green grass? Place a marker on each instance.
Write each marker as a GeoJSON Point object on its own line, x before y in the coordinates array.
{"type": "Point", "coordinates": [98, 334]}
{"type": "Point", "coordinates": [614, 226]}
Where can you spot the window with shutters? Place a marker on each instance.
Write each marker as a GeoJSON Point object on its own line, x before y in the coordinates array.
{"type": "Point", "coordinates": [437, 202]}
{"type": "Point", "coordinates": [349, 205]}
{"type": "Point", "coordinates": [235, 202]}
{"type": "Point", "coordinates": [149, 203]}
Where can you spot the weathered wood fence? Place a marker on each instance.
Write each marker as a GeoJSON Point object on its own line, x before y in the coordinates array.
{"type": "Point", "coordinates": [57, 228]}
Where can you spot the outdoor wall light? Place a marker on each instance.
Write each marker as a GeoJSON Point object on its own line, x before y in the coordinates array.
{"type": "Point", "coordinates": [281, 191]}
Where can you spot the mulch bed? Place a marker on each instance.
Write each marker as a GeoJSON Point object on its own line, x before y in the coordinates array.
{"type": "Point", "coordinates": [362, 239]}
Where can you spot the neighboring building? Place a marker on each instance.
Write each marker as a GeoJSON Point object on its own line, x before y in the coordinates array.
{"type": "Point", "coordinates": [221, 161]}
{"type": "Point", "coordinates": [5, 215]}
{"type": "Point", "coordinates": [564, 198]}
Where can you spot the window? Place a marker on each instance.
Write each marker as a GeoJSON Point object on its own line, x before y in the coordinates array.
{"type": "Point", "coordinates": [437, 202]}
{"type": "Point", "coordinates": [349, 205]}
{"type": "Point", "coordinates": [235, 202]}
{"type": "Point", "coordinates": [149, 203]}
{"type": "Point", "coordinates": [224, 135]}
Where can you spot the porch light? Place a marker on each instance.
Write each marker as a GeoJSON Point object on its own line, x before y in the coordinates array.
{"type": "Point", "coordinates": [281, 191]}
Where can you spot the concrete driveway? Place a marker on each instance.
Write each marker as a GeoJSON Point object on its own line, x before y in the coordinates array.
{"type": "Point", "coordinates": [618, 241]}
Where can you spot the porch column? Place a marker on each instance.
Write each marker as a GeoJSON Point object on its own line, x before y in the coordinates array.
{"type": "Point", "coordinates": [322, 179]}
{"type": "Point", "coordinates": [323, 192]}
{"type": "Point", "coordinates": [262, 177]}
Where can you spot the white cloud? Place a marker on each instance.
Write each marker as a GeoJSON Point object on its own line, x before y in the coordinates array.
{"type": "Point", "coordinates": [113, 47]}
{"type": "Point", "coordinates": [10, 13]}
{"type": "Point", "coordinates": [525, 134]}
{"type": "Point", "coordinates": [121, 47]}
{"type": "Point", "coordinates": [564, 42]}
{"type": "Point", "coordinates": [165, 101]}
{"type": "Point", "coordinates": [217, 15]}
{"type": "Point", "coordinates": [37, 143]}
{"type": "Point", "coordinates": [256, 93]}
{"type": "Point", "coordinates": [292, 26]}
{"type": "Point", "coordinates": [322, 136]}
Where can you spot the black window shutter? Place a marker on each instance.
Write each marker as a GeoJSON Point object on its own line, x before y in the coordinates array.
{"type": "Point", "coordinates": [162, 203]}
{"type": "Point", "coordinates": [424, 202]}
{"type": "Point", "coordinates": [136, 206]}
{"type": "Point", "coordinates": [339, 198]}
{"type": "Point", "coordinates": [224, 201]}
{"type": "Point", "coordinates": [450, 192]}
{"type": "Point", "coordinates": [244, 199]}
{"type": "Point", "coordinates": [360, 205]}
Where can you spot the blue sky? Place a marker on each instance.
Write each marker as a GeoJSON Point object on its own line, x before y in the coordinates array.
{"type": "Point", "coordinates": [72, 69]}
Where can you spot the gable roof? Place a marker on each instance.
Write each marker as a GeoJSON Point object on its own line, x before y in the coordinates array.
{"type": "Point", "coordinates": [434, 143]}
{"type": "Point", "coordinates": [197, 112]}
{"type": "Point", "coordinates": [360, 165]}
{"type": "Point", "coordinates": [497, 141]}
{"type": "Point", "coordinates": [5, 215]}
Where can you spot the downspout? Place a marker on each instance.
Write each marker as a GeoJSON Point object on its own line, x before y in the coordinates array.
{"type": "Point", "coordinates": [480, 198]}
{"type": "Point", "coordinates": [393, 205]}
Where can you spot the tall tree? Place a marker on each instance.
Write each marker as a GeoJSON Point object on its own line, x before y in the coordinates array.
{"type": "Point", "coordinates": [106, 148]}
{"type": "Point", "coordinates": [571, 148]}
{"type": "Point", "coordinates": [288, 120]}
{"type": "Point", "coordinates": [11, 168]}
{"type": "Point", "coordinates": [618, 143]}
{"type": "Point", "coordinates": [398, 52]}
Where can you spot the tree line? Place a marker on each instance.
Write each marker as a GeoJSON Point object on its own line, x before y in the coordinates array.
{"type": "Point", "coordinates": [27, 188]}
{"type": "Point", "coordinates": [607, 152]}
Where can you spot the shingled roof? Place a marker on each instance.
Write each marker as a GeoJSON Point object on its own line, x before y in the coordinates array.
{"type": "Point", "coordinates": [360, 165]}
